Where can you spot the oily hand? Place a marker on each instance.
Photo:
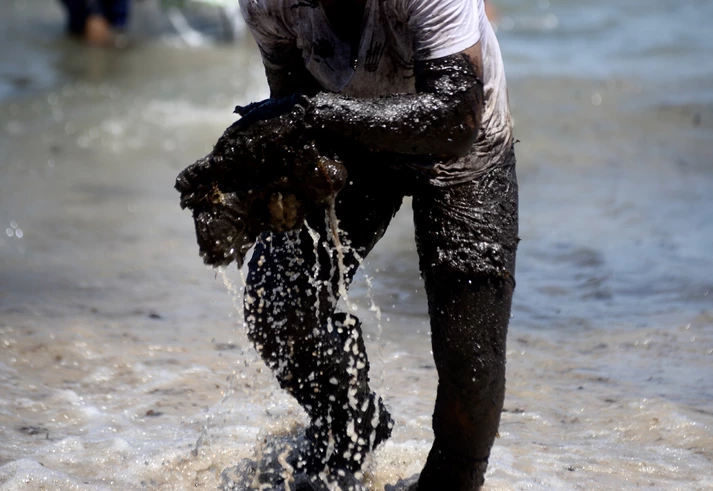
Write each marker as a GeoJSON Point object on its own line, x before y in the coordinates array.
{"type": "Point", "coordinates": [265, 173]}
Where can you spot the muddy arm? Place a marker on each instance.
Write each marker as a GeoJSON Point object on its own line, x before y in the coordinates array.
{"type": "Point", "coordinates": [441, 119]}
{"type": "Point", "coordinates": [290, 76]}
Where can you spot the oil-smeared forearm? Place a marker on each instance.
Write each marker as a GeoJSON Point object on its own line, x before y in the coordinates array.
{"type": "Point", "coordinates": [289, 76]}
{"type": "Point", "coordinates": [441, 119]}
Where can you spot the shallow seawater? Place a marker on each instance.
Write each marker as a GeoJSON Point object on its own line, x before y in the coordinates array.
{"type": "Point", "coordinates": [123, 360]}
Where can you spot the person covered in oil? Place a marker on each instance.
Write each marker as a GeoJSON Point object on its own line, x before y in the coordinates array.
{"type": "Point", "coordinates": [412, 93]}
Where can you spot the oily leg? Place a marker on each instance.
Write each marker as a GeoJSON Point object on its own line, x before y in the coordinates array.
{"type": "Point", "coordinates": [292, 290]}
{"type": "Point", "coordinates": [467, 239]}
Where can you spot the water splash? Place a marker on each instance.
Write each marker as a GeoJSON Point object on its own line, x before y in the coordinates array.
{"type": "Point", "coordinates": [342, 432]}
{"type": "Point", "coordinates": [333, 226]}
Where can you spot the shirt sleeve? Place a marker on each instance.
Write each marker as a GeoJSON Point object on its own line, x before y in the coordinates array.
{"type": "Point", "coordinates": [443, 27]}
{"type": "Point", "coordinates": [268, 27]}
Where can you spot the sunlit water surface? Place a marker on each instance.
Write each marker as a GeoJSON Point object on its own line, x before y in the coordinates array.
{"type": "Point", "coordinates": [123, 360]}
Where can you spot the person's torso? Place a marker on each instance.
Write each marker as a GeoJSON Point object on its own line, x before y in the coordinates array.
{"type": "Point", "coordinates": [383, 64]}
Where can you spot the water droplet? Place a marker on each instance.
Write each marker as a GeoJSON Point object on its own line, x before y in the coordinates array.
{"type": "Point", "coordinates": [10, 232]}
{"type": "Point", "coordinates": [507, 23]}
{"type": "Point", "coordinates": [15, 128]}
{"type": "Point", "coordinates": [83, 141]}
{"type": "Point", "coordinates": [19, 233]}
{"type": "Point", "coordinates": [551, 21]}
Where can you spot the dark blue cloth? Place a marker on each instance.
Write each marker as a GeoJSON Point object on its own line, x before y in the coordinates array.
{"type": "Point", "coordinates": [116, 12]}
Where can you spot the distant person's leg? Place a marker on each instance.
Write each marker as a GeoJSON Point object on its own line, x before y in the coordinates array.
{"type": "Point", "coordinates": [77, 14]}
{"type": "Point", "coordinates": [87, 19]}
{"type": "Point", "coordinates": [116, 12]}
{"type": "Point", "coordinates": [97, 31]}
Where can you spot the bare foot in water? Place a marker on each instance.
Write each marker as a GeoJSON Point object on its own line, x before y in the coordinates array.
{"type": "Point", "coordinates": [98, 32]}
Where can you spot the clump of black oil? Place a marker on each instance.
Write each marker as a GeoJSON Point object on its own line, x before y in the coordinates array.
{"type": "Point", "coordinates": [270, 467]}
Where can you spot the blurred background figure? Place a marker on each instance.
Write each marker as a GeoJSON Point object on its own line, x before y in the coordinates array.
{"type": "Point", "coordinates": [97, 22]}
